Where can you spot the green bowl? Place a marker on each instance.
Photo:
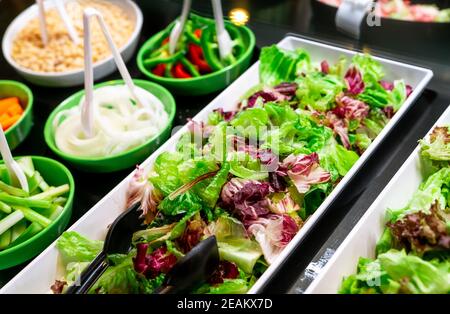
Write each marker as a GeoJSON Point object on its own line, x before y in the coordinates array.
{"type": "Point", "coordinates": [204, 84]}
{"type": "Point", "coordinates": [54, 174]}
{"type": "Point", "coordinates": [20, 130]}
{"type": "Point", "coordinates": [122, 160]}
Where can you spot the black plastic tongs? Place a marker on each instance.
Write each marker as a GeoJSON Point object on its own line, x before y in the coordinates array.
{"type": "Point", "coordinates": [194, 268]}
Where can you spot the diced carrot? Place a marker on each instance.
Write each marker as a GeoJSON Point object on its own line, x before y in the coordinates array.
{"type": "Point", "coordinates": [15, 109]}
{"type": "Point", "coordinates": [4, 116]}
{"type": "Point", "coordinates": [6, 103]}
{"type": "Point", "coordinates": [10, 122]}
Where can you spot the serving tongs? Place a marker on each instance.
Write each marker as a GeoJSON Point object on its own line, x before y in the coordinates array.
{"type": "Point", "coordinates": [224, 42]}
{"type": "Point", "coordinates": [194, 268]}
{"type": "Point", "coordinates": [15, 172]}
{"type": "Point", "coordinates": [87, 108]}
{"type": "Point", "coordinates": [64, 16]}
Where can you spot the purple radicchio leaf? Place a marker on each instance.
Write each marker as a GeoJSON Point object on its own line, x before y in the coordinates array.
{"type": "Point", "coordinates": [266, 156]}
{"type": "Point", "coordinates": [285, 205]}
{"type": "Point", "coordinates": [225, 270]}
{"type": "Point", "coordinates": [199, 128]}
{"type": "Point", "coordinates": [324, 67]}
{"type": "Point", "coordinates": [409, 90]}
{"type": "Point", "coordinates": [304, 171]}
{"type": "Point", "coordinates": [277, 182]}
{"type": "Point", "coordinates": [354, 81]}
{"type": "Point", "coordinates": [339, 128]}
{"type": "Point", "coordinates": [387, 85]}
{"type": "Point", "coordinates": [246, 198]}
{"type": "Point", "coordinates": [286, 89]}
{"type": "Point", "coordinates": [226, 115]}
{"type": "Point", "coordinates": [351, 109]}
{"type": "Point", "coordinates": [282, 92]}
{"type": "Point", "coordinates": [141, 190]}
{"type": "Point", "coordinates": [151, 265]}
{"type": "Point", "coordinates": [273, 234]}
{"type": "Point", "coordinates": [389, 112]}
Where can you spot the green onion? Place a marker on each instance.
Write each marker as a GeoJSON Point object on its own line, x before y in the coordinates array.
{"type": "Point", "coordinates": [10, 220]}
{"type": "Point", "coordinates": [5, 239]}
{"type": "Point", "coordinates": [5, 208]}
{"type": "Point", "coordinates": [32, 229]}
{"type": "Point", "coordinates": [27, 202]}
{"type": "Point", "coordinates": [18, 229]}
{"type": "Point", "coordinates": [51, 193]}
{"type": "Point", "coordinates": [42, 184]}
{"type": "Point", "coordinates": [33, 216]}
{"type": "Point", "coordinates": [60, 200]}
{"type": "Point", "coordinates": [12, 190]}
{"type": "Point", "coordinates": [55, 214]}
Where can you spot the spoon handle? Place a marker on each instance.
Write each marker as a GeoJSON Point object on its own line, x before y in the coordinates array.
{"type": "Point", "coordinates": [179, 27]}
{"type": "Point", "coordinates": [223, 38]}
{"type": "Point", "coordinates": [66, 20]}
{"type": "Point", "coordinates": [42, 22]}
{"type": "Point", "coordinates": [90, 12]}
{"type": "Point", "coordinates": [16, 173]}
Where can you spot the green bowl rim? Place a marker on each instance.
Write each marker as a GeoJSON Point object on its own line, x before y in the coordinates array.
{"type": "Point", "coordinates": [48, 125]}
{"type": "Point", "coordinates": [68, 204]}
{"type": "Point", "coordinates": [28, 107]}
{"type": "Point", "coordinates": [244, 56]}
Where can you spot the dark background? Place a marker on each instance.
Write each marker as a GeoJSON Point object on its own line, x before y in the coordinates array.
{"type": "Point", "coordinates": [271, 20]}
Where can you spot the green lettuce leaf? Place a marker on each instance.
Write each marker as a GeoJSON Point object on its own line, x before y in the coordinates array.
{"type": "Point", "coordinates": [415, 274]}
{"type": "Point", "coordinates": [371, 69]}
{"type": "Point", "coordinates": [242, 165]}
{"type": "Point", "coordinates": [122, 279]}
{"type": "Point", "coordinates": [165, 176]}
{"type": "Point", "coordinates": [437, 146]}
{"type": "Point", "coordinates": [183, 203]}
{"type": "Point", "coordinates": [428, 193]}
{"type": "Point", "coordinates": [251, 123]}
{"type": "Point", "coordinates": [318, 91]}
{"type": "Point", "coordinates": [336, 159]}
{"type": "Point", "coordinates": [398, 95]}
{"type": "Point", "coordinates": [74, 248]}
{"type": "Point", "coordinates": [278, 65]}
{"type": "Point", "coordinates": [234, 245]}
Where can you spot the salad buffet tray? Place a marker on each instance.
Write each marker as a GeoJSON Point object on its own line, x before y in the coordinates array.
{"type": "Point", "coordinates": [40, 274]}
{"type": "Point", "coordinates": [362, 241]}
{"type": "Point", "coordinates": [392, 33]}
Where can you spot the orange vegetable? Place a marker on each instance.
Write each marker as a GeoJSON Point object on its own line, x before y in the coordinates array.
{"type": "Point", "coordinates": [10, 112]}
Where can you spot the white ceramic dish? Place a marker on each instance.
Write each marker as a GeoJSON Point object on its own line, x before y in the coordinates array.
{"type": "Point", "coordinates": [361, 241]}
{"type": "Point", "coordinates": [74, 77]}
{"type": "Point", "coordinates": [40, 274]}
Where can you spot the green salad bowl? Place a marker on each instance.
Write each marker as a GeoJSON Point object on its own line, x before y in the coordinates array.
{"type": "Point", "coordinates": [123, 160]}
{"type": "Point", "coordinates": [20, 130]}
{"type": "Point", "coordinates": [204, 84]}
{"type": "Point", "coordinates": [55, 174]}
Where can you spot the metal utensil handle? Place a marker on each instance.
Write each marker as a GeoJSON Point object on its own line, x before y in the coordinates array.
{"type": "Point", "coordinates": [350, 15]}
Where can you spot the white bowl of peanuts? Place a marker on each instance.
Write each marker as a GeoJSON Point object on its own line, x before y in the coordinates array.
{"type": "Point", "coordinates": [60, 62]}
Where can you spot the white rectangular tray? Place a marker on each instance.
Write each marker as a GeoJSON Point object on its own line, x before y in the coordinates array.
{"type": "Point", "coordinates": [40, 274]}
{"type": "Point", "coordinates": [361, 241]}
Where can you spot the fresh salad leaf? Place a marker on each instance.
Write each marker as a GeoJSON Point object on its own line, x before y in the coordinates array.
{"type": "Point", "coordinates": [437, 146]}
{"type": "Point", "coordinates": [318, 91]}
{"type": "Point", "coordinates": [166, 177]}
{"type": "Point", "coordinates": [279, 65]}
{"type": "Point", "coordinates": [74, 248]}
